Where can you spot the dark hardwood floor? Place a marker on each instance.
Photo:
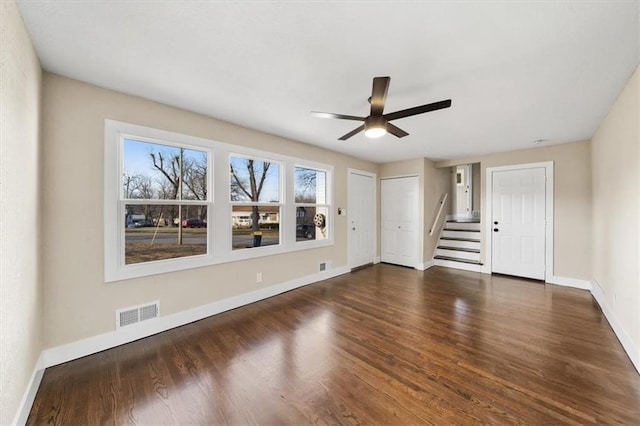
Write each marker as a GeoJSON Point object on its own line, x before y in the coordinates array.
{"type": "Point", "coordinates": [383, 345]}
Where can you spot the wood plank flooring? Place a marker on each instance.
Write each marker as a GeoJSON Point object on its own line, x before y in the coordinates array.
{"type": "Point", "coordinates": [382, 345]}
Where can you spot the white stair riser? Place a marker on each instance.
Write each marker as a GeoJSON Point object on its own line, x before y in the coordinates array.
{"type": "Point", "coordinates": [461, 234]}
{"type": "Point", "coordinates": [463, 225]}
{"type": "Point", "coordinates": [460, 244]}
{"type": "Point", "coordinates": [457, 265]}
{"type": "Point", "coordinates": [459, 254]}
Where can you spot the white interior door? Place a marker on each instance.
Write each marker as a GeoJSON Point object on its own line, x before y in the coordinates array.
{"type": "Point", "coordinates": [463, 190]}
{"type": "Point", "coordinates": [400, 222]}
{"type": "Point", "coordinates": [361, 218]}
{"type": "Point", "coordinates": [518, 222]}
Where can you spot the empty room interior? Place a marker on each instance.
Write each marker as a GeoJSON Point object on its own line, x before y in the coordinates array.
{"type": "Point", "coordinates": [333, 212]}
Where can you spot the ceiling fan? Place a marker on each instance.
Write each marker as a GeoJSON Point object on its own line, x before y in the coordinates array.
{"type": "Point", "coordinates": [377, 124]}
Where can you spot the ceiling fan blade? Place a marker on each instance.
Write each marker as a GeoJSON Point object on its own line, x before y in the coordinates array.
{"type": "Point", "coordinates": [351, 133]}
{"type": "Point", "coordinates": [418, 110]}
{"type": "Point", "coordinates": [379, 94]}
{"type": "Point", "coordinates": [396, 131]}
{"type": "Point", "coordinates": [332, 115]}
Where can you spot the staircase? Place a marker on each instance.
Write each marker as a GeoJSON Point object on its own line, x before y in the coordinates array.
{"type": "Point", "coordinates": [459, 245]}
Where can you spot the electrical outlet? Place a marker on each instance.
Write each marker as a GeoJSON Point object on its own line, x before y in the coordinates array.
{"type": "Point", "coordinates": [259, 277]}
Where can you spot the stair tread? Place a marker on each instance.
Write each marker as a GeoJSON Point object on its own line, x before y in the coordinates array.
{"type": "Point", "coordinates": [464, 221]}
{"type": "Point", "coordinates": [470, 240]}
{"type": "Point", "coordinates": [470, 250]}
{"type": "Point", "coordinates": [461, 230]}
{"type": "Point", "coordinates": [456, 259]}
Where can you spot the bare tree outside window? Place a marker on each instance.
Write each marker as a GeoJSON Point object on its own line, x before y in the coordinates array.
{"type": "Point", "coordinates": [252, 184]}
{"type": "Point", "coordinates": [247, 182]}
{"type": "Point", "coordinates": [162, 172]}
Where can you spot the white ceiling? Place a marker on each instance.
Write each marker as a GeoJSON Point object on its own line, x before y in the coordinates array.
{"type": "Point", "coordinates": [516, 72]}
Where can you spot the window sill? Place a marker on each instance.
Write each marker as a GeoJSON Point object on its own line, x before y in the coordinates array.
{"type": "Point", "coordinates": [175, 265]}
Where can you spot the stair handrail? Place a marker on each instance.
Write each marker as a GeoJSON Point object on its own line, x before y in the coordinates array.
{"type": "Point", "coordinates": [443, 199]}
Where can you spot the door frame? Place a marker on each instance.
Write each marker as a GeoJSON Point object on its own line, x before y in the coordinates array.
{"type": "Point", "coordinates": [548, 237]}
{"type": "Point", "coordinates": [374, 177]}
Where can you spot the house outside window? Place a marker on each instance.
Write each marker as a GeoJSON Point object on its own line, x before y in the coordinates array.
{"type": "Point", "coordinates": [255, 194]}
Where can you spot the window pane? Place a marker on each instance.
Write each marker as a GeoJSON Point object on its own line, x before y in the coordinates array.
{"type": "Point", "coordinates": [254, 180]}
{"type": "Point", "coordinates": [152, 171]}
{"type": "Point", "coordinates": [152, 232]}
{"type": "Point", "coordinates": [143, 168]}
{"type": "Point", "coordinates": [307, 223]}
{"type": "Point", "coordinates": [194, 170]}
{"type": "Point", "coordinates": [310, 186]}
{"type": "Point", "coordinates": [255, 226]}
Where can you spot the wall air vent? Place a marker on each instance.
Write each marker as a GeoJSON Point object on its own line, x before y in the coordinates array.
{"type": "Point", "coordinates": [134, 314]}
{"type": "Point", "coordinates": [325, 266]}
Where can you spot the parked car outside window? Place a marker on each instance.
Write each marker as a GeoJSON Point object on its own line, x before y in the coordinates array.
{"type": "Point", "coordinates": [146, 223]}
{"type": "Point", "coordinates": [194, 222]}
{"type": "Point", "coordinates": [306, 231]}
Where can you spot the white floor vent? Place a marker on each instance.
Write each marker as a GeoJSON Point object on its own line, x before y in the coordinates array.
{"type": "Point", "coordinates": [134, 314]}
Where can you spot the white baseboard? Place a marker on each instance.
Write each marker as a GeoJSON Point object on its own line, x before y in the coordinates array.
{"type": "Point", "coordinates": [70, 351]}
{"type": "Point", "coordinates": [91, 345]}
{"type": "Point", "coordinates": [376, 260]}
{"type": "Point", "coordinates": [570, 282]}
{"type": "Point", "coordinates": [627, 343]}
{"type": "Point", "coordinates": [426, 265]}
{"type": "Point", "coordinates": [30, 393]}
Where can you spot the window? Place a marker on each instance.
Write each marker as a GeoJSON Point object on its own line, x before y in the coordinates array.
{"type": "Point", "coordinates": [164, 201]}
{"type": "Point", "coordinates": [162, 215]}
{"type": "Point", "coordinates": [312, 209]}
{"type": "Point", "coordinates": [254, 188]}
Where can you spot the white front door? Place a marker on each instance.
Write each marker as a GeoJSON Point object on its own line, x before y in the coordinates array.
{"type": "Point", "coordinates": [400, 223]}
{"type": "Point", "coordinates": [518, 222]}
{"type": "Point", "coordinates": [361, 218]}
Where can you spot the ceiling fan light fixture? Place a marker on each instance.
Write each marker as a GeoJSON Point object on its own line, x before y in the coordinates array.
{"type": "Point", "coordinates": [378, 123]}
{"type": "Point", "coordinates": [375, 127]}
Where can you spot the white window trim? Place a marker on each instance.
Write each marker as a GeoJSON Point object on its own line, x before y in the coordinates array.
{"type": "Point", "coordinates": [219, 235]}
{"type": "Point", "coordinates": [114, 236]}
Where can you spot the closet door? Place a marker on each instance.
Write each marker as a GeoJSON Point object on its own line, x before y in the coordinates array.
{"type": "Point", "coordinates": [399, 219]}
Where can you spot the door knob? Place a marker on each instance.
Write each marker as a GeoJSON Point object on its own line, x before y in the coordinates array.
{"type": "Point", "coordinates": [495, 229]}
{"type": "Point", "coordinates": [495, 223]}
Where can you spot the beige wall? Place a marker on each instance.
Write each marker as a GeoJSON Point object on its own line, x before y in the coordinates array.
{"type": "Point", "coordinates": [20, 304]}
{"type": "Point", "coordinates": [477, 185]}
{"type": "Point", "coordinates": [616, 211]}
{"type": "Point", "coordinates": [436, 182]}
{"type": "Point", "coordinates": [79, 303]}
{"type": "Point", "coordinates": [572, 200]}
